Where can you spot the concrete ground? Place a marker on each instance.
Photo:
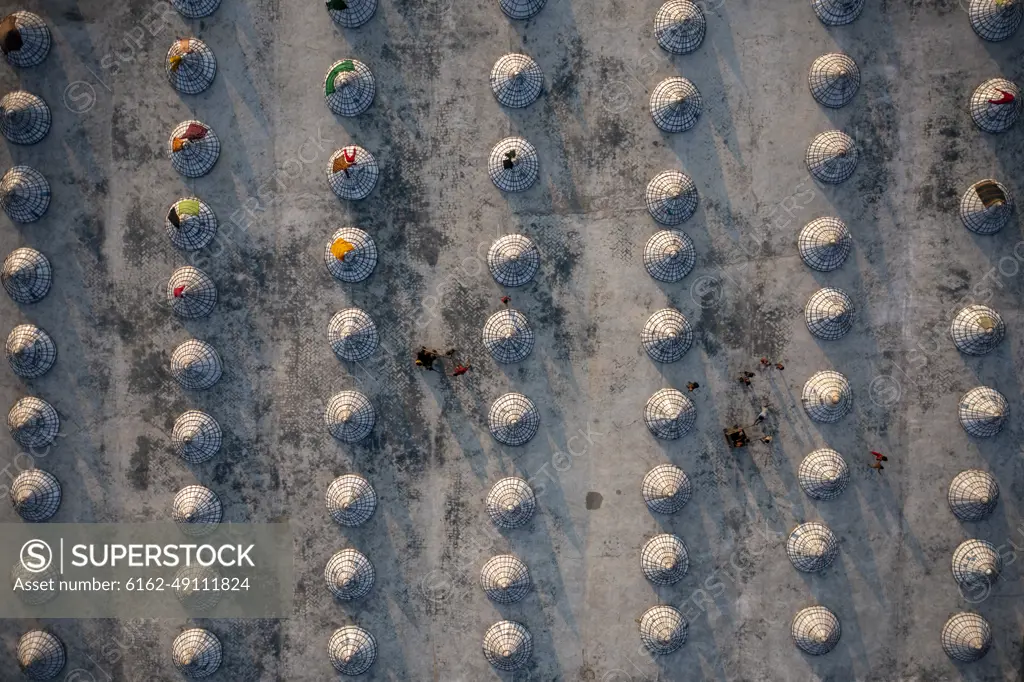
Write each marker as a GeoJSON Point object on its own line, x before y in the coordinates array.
{"type": "Point", "coordinates": [433, 214]}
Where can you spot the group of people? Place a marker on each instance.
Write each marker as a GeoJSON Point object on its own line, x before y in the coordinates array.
{"type": "Point", "coordinates": [427, 357]}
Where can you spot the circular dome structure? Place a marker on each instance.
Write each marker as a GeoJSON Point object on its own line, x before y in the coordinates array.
{"type": "Point", "coordinates": [24, 117]}
{"type": "Point", "coordinates": [669, 414]}
{"type": "Point", "coordinates": [973, 495]}
{"type": "Point", "coordinates": [521, 9]}
{"type": "Point", "coordinates": [516, 80]}
{"type": "Point", "coordinates": [24, 39]}
{"type": "Point", "coordinates": [36, 495]}
{"type": "Point", "coordinates": [189, 583]}
{"type": "Point", "coordinates": [671, 197]}
{"type": "Point", "coordinates": [33, 423]}
{"type": "Point", "coordinates": [350, 416]}
{"type": "Point", "coordinates": [675, 105]}
{"type": "Point", "coordinates": [511, 503]}
{"type": "Point", "coordinates": [26, 275]}
{"type": "Point", "coordinates": [349, 575]}
{"type": "Point", "coordinates": [827, 396]}
{"type": "Point", "coordinates": [669, 255]}
{"type": "Point", "coordinates": [812, 547]}
{"type": "Point", "coordinates": [666, 335]}
{"type": "Point", "coordinates": [507, 336]}
{"type": "Point", "coordinates": [513, 419]}
{"type": "Point", "coordinates": [196, 437]}
{"type": "Point", "coordinates": [679, 26]}
{"type": "Point", "coordinates": [352, 649]}
{"type": "Point", "coordinates": [824, 244]}
{"type": "Point", "coordinates": [663, 629]}
{"type": "Point", "coordinates": [995, 20]}
{"type": "Point", "coordinates": [508, 645]}
{"type": "Point", "coordinates": [664, 559]}
{"type": "Point", "coordinates": [351, 500]}
{"type": "Point", "coordinates": [823, 474]}
{"type": "Point", "coordinates": [195, 365]}
{"type": "Point", "coordinates": [834, 79]}
{"type": "Point", "coordinates": [986, 207]}
{"type": "Point", "coordinates": [837, 12]}
{"type": "Point", "coordinates": [829, 313]}
{"type": "Point", "coordinates": [196, 653]}
{"type": "Point", "coordinates": [190, 224]}
{"type": "Point", "coordinates": [832, 157]}
{"type": "Point", "coordinates": [815, 630]}
{"type": "Point", "coordinates": [505, 579]}
{"type": "Point", "coordinates": [30, 351]}
{"type": "Point", "coordinates": [983, 411]}
{"type": "Point", "coordinates": [24, 194]}
{"type": "Point", "coordinates": [513, 165]}
{"type": "Point", "coordinates": [976, 562]}
{"type": "Point", "coordinates": [352, 173]}
{"type": "Point", "coordinates": [191, 66]}
{"type": "Point", "coordinates": [197, 510]}
{"type": "Point", "coordinates": [352, 334]}
{"type": "Point", "coordinates": [196, 9]}
{"type": "Point", "coordinates": [351, 255]}
{"type": "Point", "coordinates": [191, 293]}
{"type": "Point", "coordinates": [47, 590]}
{"type": "Point", "coordinates": [966, 637]}
{"type": "Point", "coordinates": [977, 330]}
{"type": "Point", "coordinates": [349, 87]}
{"type": "Point", "coordinates": [666, 489]}
{"type": "Point", "coordinates": [996, 105]}
{"type": "Point", "coordinates": [41, 656]}
{"type": "Point", "coordinates": [194, 148]}
{"type": "Point", "coordinates": [351, 13]}
{"type": "Point", "coordinates": [513, 260]}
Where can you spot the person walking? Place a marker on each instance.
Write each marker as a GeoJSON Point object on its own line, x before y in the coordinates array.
{"type": "Point", "coordinates": [877, 464]}
{"type": "Point", "coordinates": [744, 379]}
{"type": "Point", "coordinates": [779, 366]}
{"type": "Point", "coordinates": [879, 457]}
{"type": "Point", "coordinates": [762, 415]}
{"type": "Point", "coordinates": [767, 439]}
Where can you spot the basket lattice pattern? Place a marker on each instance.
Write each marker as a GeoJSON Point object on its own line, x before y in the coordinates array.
{"type": "Point", "coordinates": [24, 117]}
{"type": "Point", "coordinates": [196, 653]}
{"type": "Point", "coordinates": [513, 419]}
{"type": "Point", "coordinates": [190, 66]}
{"type": "Point", "coordinates": [191, 293]}
{"type": "Point", "coordinates": [986, 207]}
{"type": "Point", "coordinates": [196, 365]}
{"type": "Point", "coordinates": [505, 579]}
{"type": "Point", "coordinates": [196, 437]}
{"type": "Point", "coordinates": [193, 148]}
{"type": "Point", "coordinates": [995, 20]}
{"type": "Point", "coordinates": [996, 105]}
{"type": "Point", "coordinates": [36, 495]}
{"type": "Point", "coordinates": [190, 224]}
{"type": "Point", "coordinates": [832, 157]}
{"type": "Point", "coordinates": [508, 645]}
{"type": "Point", "coordinates": [26, 275]}
{"type": "Point", "coordinates": [671, 197]}
{"type": "Point", "coordinates": [352, 650]}
{"type": "Point", "coordinates": [349, 87]}
{"type": "Point", "coordinates": [513, 260]}
{"type": "Point", "coordinates": [669, 414]}
{"type": "Point", "coordinates": [513, 165]}
{"type": "Point", "coordinates": [521, 9]}
{"type": "Point", "coordinates": [33, 423]}
{"type": "Point", "coordinates": [977, 330]}
{"type": "Point", "coordinates": [834, 79]}
{"type": "Point", "coordinates": [669, 255]}
{"type": "Point", "coordinates": [666, 335]}
{"type": "Point", "coordinates": [675, 105]}
{"type": "Point", "coordinates": [838, 12]}
{"type": "Point", "coordinates": [983, 411]}
{"type": "Point", "coordinates": [966, 637]}
{"type": "Point", "coordinates": [823, 474]}
{"type": "Point", "coordinates": [516, 80]}
{"type": "Point", "coordinates": [24, 194]}
{"type": "Point", "coordinates": [973, 495]}
{"type": "Point", "coordinates": [827, 396]}
{"type": "Point", "coordinates": [41, 656]}
{"type": "Point", "coordinates": [349, 575]}
{"type": "Point", "coordinates": [815, 630]}
{"type": "Point", "coordinates": [679, 26]}
{"type": "Point", "coordinates": [666, 489]}
{"type": "Point", "coordinates": [352, 173]}
{"type": "Point", "coordinates": [24, 39]}
{"type": "Point", "coordinates": [507, 336]}
{"type": "Point", "coordinates": [30, 351]}
{"type": "Point", "coordinates": [829, 313]}
{"type": "Point", "coordinates": [976, 563]}
{"type": "Point", "coordinates": [350, 255]}
{"type": "Point", "coordinates": [824, 244]}
{"type": "Point", "coordinates": [197, 510]}
{"type": "Point", "coordinates": [351, 13]}
{"type": "Point", "coordinates": [664, 559]}
{"type": "Point", "coordinates": [812, 547]}
{"type": "Point", "coordinates": [350, 416]}
{"type": "Point", "coordinates": [351, 500]}
{"type": "Point", "coordinates": [663, 629]}
{"type": "Point", "coordinates": [511, 503]}
{"type": "Point", "coordinates": [195, 9]}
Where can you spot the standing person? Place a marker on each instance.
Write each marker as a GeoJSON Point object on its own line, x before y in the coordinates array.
{"type": "Point", "coordinates": [767, 439]}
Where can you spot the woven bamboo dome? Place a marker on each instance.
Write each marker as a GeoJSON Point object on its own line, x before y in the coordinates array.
{"type": "Point", "coordinates": [977, 330]}
{"type": "Point", "coordinates": [24, 117]}
{"type": "Point", "coordinates": [30, 351]}
{"type": "Point", "coordinates": [812, 547]}
{"type": "Point", "coordinates": [973, 495]}
{"type": "Point", "coordinates": [352, 334]}
{"type": "Point", "coordinates": [33, 423]}
{"type": "Point", "coordinates": [832, 157]}
{"type": "Point", "coordinates": [983, 411]}
{"type": "Point", "coordinates": [679, 26]}
{"type": "Point", "coordinates": [26, 275]}
{"type": "Point", "coordinates": [513, 165]}
{"type": "Point", "coordinates": [671, 197]}
{"type": "Point", "coordinates": [521, 9]}
{"type": "Point", "coordinates": [24, 39]}
{"type": "Point", "coordinates": [351, 13]}
{"type": "Point", "coordinates": [669, 255]}
{"type": "Point", "coordinates": [351, 500]}
{"type": "Point", "coordinates": [837, 12]}
{"type": "Point", "coordinates": [823, 474]}
{"type": "Point", "coordinates": [196, 437]}
{"type": "Point", "coordinates": [976, 562]}
{"type": "Point", "coordinates": [996, 105]}
{"type": "Point", "coordinates": [352, 173]}
{"type": "Point", "coordinates": [664, 559]}
{"type": "Point", "coordinates": [349, 87]}
{"type": "Point", "coordinates": [189, 583]}
{"type": "Point", "coordinates": [827, 396]}
{"type": "Point", "coordinates": [666, 335]}
{"type": "Point", "coordinates": [191, 293]}
{"type": "Point", "coordinates": [197, 510]}
{"type": "Point", "coordinates": [350, 416]}
{"type": "Point", "coordinates": [196, 365]}
{"type": "Point", "coordinates": [196, 9]}
{"type": "Point", "coordinates": [505, 579]}
{"type": "Point", "coordinates": [513, 260]}
{"type": "Point", "coordinates": [829, 313]}
{"type": "Point", "coordinates": [47, 591]}
{"type": "Point", "coordinates": [666, 489]}
{"type": "Point", "coordinates": [24, 194]}
{"type": "Point", "coordinates": [193, 148]}
{"type": "Point", "coordinates": [507, 336]}
{"type": "Point", "coordinates": [513, 419]}
{"type": "Point", "coordinates": [824, 244]}
{"type": "Point", "coordinates": [190, 66]}
{"type": "Point", "coordinates": [663, 629]}
{"type": "Point", "coordinates": [966, 637]}
{"type": "Point", "coordinates": [350, 255]}
{"type": "Point", "coordinates": [675, 105]}
{"type": "Point", "coordinates": [815, 630]}
{"type": "Point", "coordinates": [995, 20]}
{"type": "Point", "coordinates": [41, 655]}
{"type": "Point", "coordinates": [349, 575]}
{"type": "Point", "coordinates": [834, 79]}
{"type": "Point", "coordinates": [511, 503]}
{"type": "Point", "coordinates": [35, 494]}
{"type": "Point", "coordinates": [196, 653]}
{"type": "Point", "coordinates": [516, 80]}
{"type": "Point", "coordinates": [190, 224]}
{"type": "Point", "coordinates": [986, 207]}
{"type": "Point", "coordinates": [508, 645]}
{"type": "Point", "coordinates": [352, 650]}
{"type": "Point", "coordinates": [669, 414]}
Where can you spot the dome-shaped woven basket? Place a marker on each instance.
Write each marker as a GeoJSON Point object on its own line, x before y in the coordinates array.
{"type": "Point", "coordinates": [511, 503]}
{"type": "Point", "coordinates": [812, 547]}
{"type": "Point", "coordinates": [190, 224]}
{"type": "Point", "coordinates": [516, 80]}
{"type": "Point", "coordinates": [191, 293]}
{"type": "Point", "coordinates": [33, 423]}
{"type": "Point", "coordinates": [977, 330]}
{"type": "Point", "coordinates": [837, 12]}
{"type": "Point", "coordinates": [832, 157]}
{"type": "Point", "coordinates": [815, 630]}
{"type": "Point", "coordinates": [349, 87]}
{"type": "Point", "coordinates": [679, 26]}
{"type": "Point", "coordinates": [834, 79]}
{"type": "Point", "coordinates": [966, 637]}
{"type": "Point", "coordinates": [196, 9]}
{"type": "Point", "coordinates": [351, 500]}
{"type": "Point", "coordinates": [827, 396]}
{"type": "Point", "coordinates": [823, 474]}
{"type": "Point", "coordinates": [350, 416]}
{"type": "Point", "coordinates": [513, 419]}
{"type": "Point", "coordinates": [352, 650]}
{"type": "Point", "coordinates": [669, 255]}
{"type": "Point", "coordinates": [24, 39]}
{"type": "Point", "coordinates": [350, 255]}
{"type": "Point", "coordinates": [507, 336]}
{"type": "Point", "coordinates": [26, 275]}
{"type": "Point", "coordinates": [352, 173]}
{"type": "Point", "coordinates": [24, 194]}
{"type": "Point", "coordinates": [196, 437]}
{"type": "Point", "coordinates": [976, 563]}
{"type": "Point", "coordinates": [196, 365]}
{"type": "Point", "coordinates": [996, 105]}
{"type": "Point", "coordinates": [197, 510]}
{"type": "Point", "coordinates": [666, 335]}
{"type": "Point", "coordinates": [513, 165]}
{"type": "Point", "coordinates": [671, 197]}
{"type": "Point", "coordinates": [995, 20]}
{"type": "Point", "coordinates": [45, 593]}
{"type": "Point", "coordinates": [30, 351]}
{"type": "Point", "coordinates": [521, 9]}
{"type": "Point", "coordinates": [36, 495]}
{"type": "Point", "coordinates": [194, 148]}
{"type": "Point", "coordinates": [196, 653]}
{"type": "Point", "coordinates": [508, 645]}
{"type": "Point", "coordinates": [829, 313]}
{"type": "Point", "coordinates": [663, 629]}
{"type": "Point", "coordinates": [664, 559]}
{"type": "Point", "coordinates": [190, 66]}
{"type": "Point", "coordinates": [675, 105]}
{"type": "Point", "coordinates": [666, 489]}
{"type": "Point", "coordinates": [351, 13]}
{"type": "Point", "coordinates": [24, 117]}
{"type": "Point", "coordinates": [352, 334]}
{"type": "Point", "coordinates": [41, 656]}
{"type": "Point", "coordinates": [349, 575]}
{"type": "Point", "coordinates": [983, 411]}
{"type": "Point", "coordinates": [513, 260]}
{"type": "Point", "coordinates": [189, 583]}
{"type": "Point", "coordinates": [824, 244]}
{"type": "Point", "coordinates": [986, 207]}
{"type": "Point", "coordinates": [669, 414]}
{"type": "Point", "coordinates": [505, 579]}
{"type": "Point", "coordinates": [973, 495]}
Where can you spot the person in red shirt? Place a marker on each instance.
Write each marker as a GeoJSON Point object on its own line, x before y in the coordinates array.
{"type": "Point", "coordinates": [461, 369]}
